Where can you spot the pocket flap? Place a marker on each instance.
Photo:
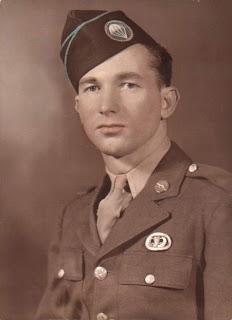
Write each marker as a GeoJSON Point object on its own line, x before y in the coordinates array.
{"type": "Point", "coordinates": [70, 264]}
{"type": "Point", "coordinates": [171, 271]}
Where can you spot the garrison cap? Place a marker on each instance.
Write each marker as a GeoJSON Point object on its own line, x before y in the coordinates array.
{"type": "Point", "coordinates": [91, 36]}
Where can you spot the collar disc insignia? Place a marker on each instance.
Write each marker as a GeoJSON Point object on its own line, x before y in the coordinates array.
{"type": "Point", "coordinates": [118, 30]}
{"type": "Point", "coordinates": [158, 241]}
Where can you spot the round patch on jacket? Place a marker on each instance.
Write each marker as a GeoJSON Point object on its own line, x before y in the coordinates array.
{"type": "Point", "coordinates": [118, 30]}
{"type": "Point", "coordinates": [158, 241]}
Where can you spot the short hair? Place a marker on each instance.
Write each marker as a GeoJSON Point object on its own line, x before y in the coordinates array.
{"type": "Point", "coordinates": [161, 62]}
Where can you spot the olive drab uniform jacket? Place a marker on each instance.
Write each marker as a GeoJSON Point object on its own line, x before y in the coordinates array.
{"type": "Point", "coordinates": [169, 257]}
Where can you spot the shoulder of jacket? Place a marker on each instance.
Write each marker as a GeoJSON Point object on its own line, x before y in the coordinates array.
{"type": "Point", "coordinates": [215, 175]}
{"type": "Point", "coordinates": [84, 191]}
{"type": "Point", "coordinates": [81, 195]}
{"type": "Point", "coordinates": [78, 199]}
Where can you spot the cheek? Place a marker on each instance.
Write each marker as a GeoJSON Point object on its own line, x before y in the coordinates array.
{"type": "Point", "coordinates": [85, 109]}
{"type": "Point", "coordinates": [86, 118]}
{"type": "Point", "coordinates": [145, 111]}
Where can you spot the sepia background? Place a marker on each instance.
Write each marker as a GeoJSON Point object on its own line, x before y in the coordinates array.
{"type": "Point", "coordinates": [44, 156]}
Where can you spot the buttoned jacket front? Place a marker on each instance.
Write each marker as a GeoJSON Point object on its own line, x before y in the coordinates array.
{"type": "Point", "coordinates": [192, 279]}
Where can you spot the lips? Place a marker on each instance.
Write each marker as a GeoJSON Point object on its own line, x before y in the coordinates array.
{"type": "Point", "coordinates": [111, 128]}
{"type": "Point", "coordinates": [110, 125]}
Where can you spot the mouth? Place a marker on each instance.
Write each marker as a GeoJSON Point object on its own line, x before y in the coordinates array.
{"type": "Point", "coordinates": [112, 128]}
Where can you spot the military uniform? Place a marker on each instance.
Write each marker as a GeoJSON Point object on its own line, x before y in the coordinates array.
{"type": "Point", "coordinates": [168, 258]}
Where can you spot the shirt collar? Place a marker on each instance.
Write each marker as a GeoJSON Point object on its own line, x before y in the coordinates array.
{"type": "Point", "coordinates": [138, 176]}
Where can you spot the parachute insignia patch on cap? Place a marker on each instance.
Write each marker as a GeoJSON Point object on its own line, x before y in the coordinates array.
{"type": "Point", "coordinates": [118, 30]}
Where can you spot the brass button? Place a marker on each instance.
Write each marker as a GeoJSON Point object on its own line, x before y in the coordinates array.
{"type": "Point", "coordinates": [102, 316]}
{"type": "Point", "coordinates": [161, 186]}
{"type": "Point", "coordinates": [61, 273]}
{"type": "Point", "coordinates": [192, 168]}
{"type": "Point", "coordinates": [149, 279]}
{"type": "Point", "coordinates": [100, 273]}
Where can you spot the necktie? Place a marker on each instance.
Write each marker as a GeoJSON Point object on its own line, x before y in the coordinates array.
{"type": "Point", "coordinates": [111, 207]}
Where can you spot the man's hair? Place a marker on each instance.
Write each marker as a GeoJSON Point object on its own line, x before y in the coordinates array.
{"type": "Point", "coordinates": [161, 62]}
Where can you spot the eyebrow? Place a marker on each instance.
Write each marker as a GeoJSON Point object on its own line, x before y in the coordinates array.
{"type": "Point", "coordinates": [88, 80]}
{"type": "Point", "coordinates": [129, 75]}
{"type": "Point", "coordinates": [120, 76]}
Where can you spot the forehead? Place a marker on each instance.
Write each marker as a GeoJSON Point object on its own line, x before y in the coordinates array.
{"type": "Point", "coordinates": [134, 59]}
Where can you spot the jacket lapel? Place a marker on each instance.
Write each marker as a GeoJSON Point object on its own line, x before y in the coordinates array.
{"type": "Point", "coordinates": [144, 212]}
{"type": "Point", "coordinates": [86, 227]}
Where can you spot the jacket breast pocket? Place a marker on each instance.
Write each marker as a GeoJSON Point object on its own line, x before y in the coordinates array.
{"type": "Point", "coordinates": [69, 264]}
{"type": "Point", "coordinates": [156, 269]}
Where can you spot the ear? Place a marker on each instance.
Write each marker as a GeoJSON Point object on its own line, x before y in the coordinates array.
{"type": "Point", "coordinates": [77, 103]}
{"type": "Point", "coordinates": [170, 97]}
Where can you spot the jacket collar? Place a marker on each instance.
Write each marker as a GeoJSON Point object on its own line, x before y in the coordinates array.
{"type": "Point", "coordinates": [172, 169]}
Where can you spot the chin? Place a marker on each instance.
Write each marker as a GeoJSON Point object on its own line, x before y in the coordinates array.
{"type": "Point", "coordinates": [114, 146]}
{"type": "Point", "coordinates": [114, 151]}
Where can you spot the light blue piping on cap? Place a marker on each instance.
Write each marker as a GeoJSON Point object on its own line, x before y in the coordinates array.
{"type": "Point", "coordinates": [73, 34]}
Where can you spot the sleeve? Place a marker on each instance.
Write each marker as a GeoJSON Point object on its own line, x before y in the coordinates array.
{"type": "Point", "coordinates": [218, 264]}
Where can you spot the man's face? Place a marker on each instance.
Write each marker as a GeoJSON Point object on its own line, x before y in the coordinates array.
{"type": "Point", "coordinates": [120, 102]}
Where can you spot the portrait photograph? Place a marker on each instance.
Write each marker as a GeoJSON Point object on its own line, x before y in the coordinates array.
{"type": "Point", "coordinates": [115, 160]}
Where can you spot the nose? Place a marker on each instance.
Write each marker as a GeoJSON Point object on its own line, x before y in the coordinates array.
{"type": "Point", "coordinates": [109, 102]}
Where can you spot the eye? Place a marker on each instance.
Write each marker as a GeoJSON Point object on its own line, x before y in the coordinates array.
{"type": "Point", "coordinates": [91, 88]}
{"type": "Point", "coordinates": [129, 85]}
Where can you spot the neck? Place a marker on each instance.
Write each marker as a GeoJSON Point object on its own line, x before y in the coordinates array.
{"type": "Point", "coordinates": [128, 162]}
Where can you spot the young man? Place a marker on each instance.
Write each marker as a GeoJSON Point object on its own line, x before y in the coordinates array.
{"type": "Point", "coordinates": [153, 241]}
